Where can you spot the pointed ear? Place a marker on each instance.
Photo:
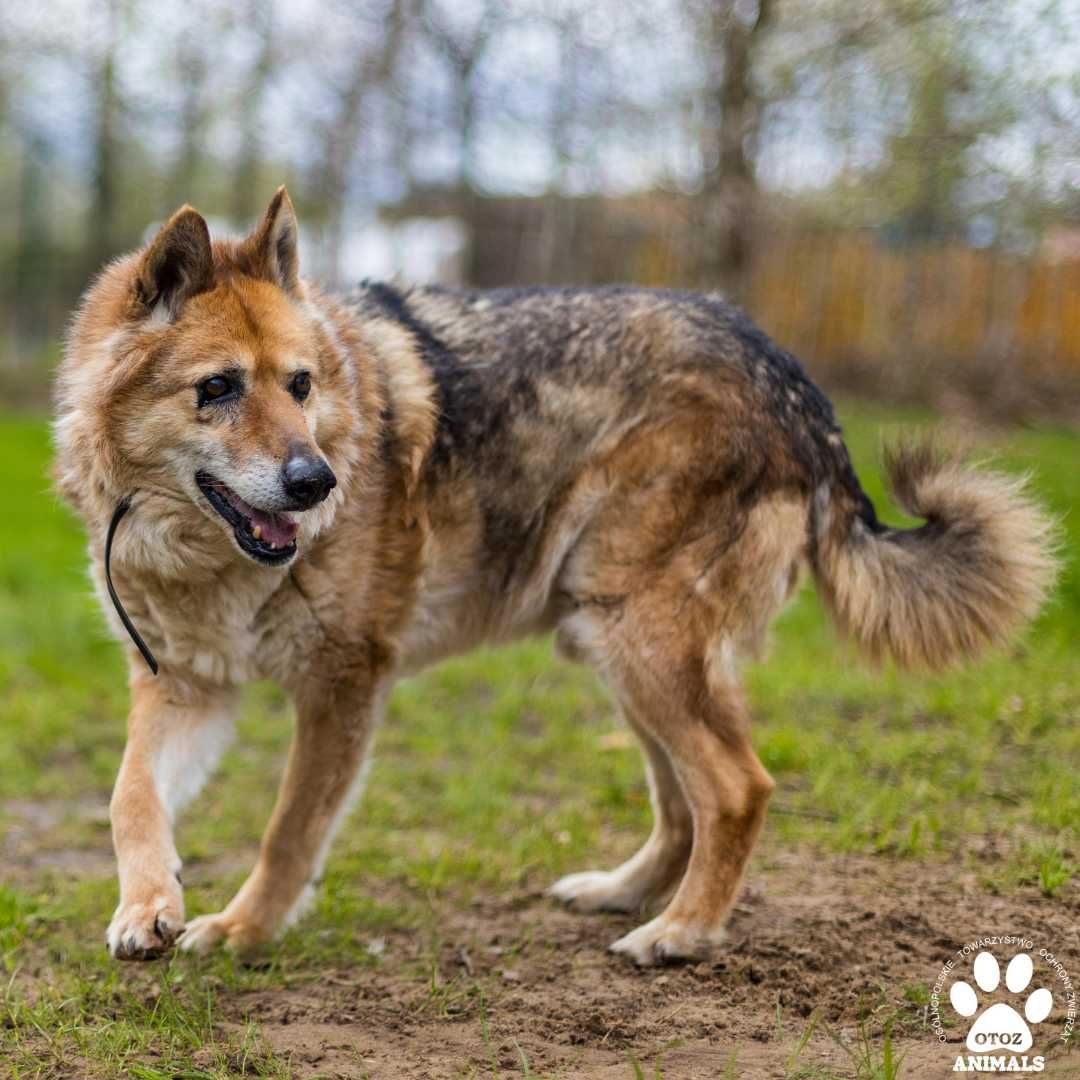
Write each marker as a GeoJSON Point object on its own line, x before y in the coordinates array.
{"type": "Point", "coordinates": [177, 264]}
{"type": "Point", "coordinates": [275, 244]}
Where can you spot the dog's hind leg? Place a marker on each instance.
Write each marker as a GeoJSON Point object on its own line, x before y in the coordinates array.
{"type": "Point", "coordinates": [334, 725]}
{"type": "Point", "coordinates": [674, 581]}
{"type": "Point", "coordinates": [707, 783]}
{"type": "Point", "coordinates": [697, 715]}
{"type": "Point", "coordinates": [658, 864]}
{"type": "Point", "coordinates": [176, 734]}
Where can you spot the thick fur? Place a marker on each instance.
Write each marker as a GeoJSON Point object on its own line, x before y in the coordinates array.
{"type": "Point", "coordinates": [643, 472]}
{"type": "Point", "coordinates": [930, 597]}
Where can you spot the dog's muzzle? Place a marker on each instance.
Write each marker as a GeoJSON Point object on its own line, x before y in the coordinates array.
{"type": "Point", "coordinates": [266, 536]}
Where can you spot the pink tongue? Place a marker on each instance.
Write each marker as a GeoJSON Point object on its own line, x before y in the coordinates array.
{"type": "Point", "coordinates": [275, 529]}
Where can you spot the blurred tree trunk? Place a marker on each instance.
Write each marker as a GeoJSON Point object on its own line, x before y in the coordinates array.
{"type": "Point", "coordinates": [191, 61]}
{"type": "Point", "coordinates": [32, 262]}
{"type": "Point", "coordinates": [928, 159]}
{"type": "Point", "coordinates": [463, 48]}
{"type": "Point", "coordinates": [560, 255]}
{"type": "Point", "coordinates": [342, 136]}
{"type": "Point", "coordinates": [932, 198]}
{"type": "Point", "coordinates": [246, 196]}
{"type": "Point", "coordinates": [732, 117]}
{"type": "Point", "coordinates": [339, 145]}
{"type": "Point", "coordinates": [105, 184]}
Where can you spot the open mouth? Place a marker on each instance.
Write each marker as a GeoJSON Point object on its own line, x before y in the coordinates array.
{"type": "Point", "coordinates": [267, 537]}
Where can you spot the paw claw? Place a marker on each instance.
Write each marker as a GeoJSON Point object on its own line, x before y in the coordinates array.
{"type": "Point", "coordinates": [662, 942]}
{"type": "Point", "coordinates": [146, 930]}
{"type": "Point", "coordinates": [202, 934]}
{"type": "Point", "coordinates": [208, 931]}
{"type": "Point", "coordinates": [594, 890]}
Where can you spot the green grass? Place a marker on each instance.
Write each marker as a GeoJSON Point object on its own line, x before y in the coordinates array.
{"type": "Point", "coordinates": [492, 772]}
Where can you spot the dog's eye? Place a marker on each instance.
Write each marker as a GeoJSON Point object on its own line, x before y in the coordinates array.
{"type": "Point", "coordinates": [216, 388]}
{"type": "Point", "coordinates": [300, 387]}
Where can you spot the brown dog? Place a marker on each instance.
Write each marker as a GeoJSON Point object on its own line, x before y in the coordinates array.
{"type": "Point", "coordinates": [331, 492]}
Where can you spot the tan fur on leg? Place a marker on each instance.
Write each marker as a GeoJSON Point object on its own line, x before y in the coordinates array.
{"type": "Point", "coordinates": [704, 732]}
{"type": "Point", "coordinates": [333, 733]}
{"type": "Point", "coordinates": [728, 789]}
{"type": "Point", "coordinates": [176, 732]}
{"type": "Point", "coordinates": [667, 647]}
{"type": "Point", "coordinates": [650, 872]}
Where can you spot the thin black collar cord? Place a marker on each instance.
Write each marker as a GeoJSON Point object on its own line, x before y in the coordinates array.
{"type": "Point", "coordinates": [122, 507]}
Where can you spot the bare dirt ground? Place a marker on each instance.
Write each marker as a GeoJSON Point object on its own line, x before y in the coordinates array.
{"type": "Point", "coordinates": [823, 952]}
{"type": "Point", "coordinates": [836, 938]}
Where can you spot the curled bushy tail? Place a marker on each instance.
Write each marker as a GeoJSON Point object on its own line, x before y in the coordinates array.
{"type": "Point", "coordinates": [977, 571]}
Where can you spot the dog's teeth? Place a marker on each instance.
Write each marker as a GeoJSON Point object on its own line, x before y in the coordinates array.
{"type": "Point", "coordinates": [257, 532]}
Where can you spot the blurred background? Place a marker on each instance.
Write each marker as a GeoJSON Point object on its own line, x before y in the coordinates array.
{"type": "Point", "coordinates": [891, 187]}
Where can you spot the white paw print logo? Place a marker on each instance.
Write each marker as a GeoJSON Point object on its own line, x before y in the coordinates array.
{"type": "Point", "coordinates": [1001, 1027]}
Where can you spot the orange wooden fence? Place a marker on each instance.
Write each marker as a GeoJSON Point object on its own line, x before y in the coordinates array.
{"type": "Point", "coordinates": [843, 295]}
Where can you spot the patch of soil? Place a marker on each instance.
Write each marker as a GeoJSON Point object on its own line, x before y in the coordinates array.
{"type": "Point", "coordinates": [34, 836]}
{"type": "Point", "coordinates": [831, 940]}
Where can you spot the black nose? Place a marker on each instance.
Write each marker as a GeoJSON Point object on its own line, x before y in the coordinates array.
{"type": "Point", "coordinates": [307, 479]}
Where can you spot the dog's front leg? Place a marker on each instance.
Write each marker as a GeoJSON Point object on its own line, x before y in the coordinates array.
{"type": "Point", "coordinates": [333, 732]}
{"type": "Point", "coordinates": [176, 734]}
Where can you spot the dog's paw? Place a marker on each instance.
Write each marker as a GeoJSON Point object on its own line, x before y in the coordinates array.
{"type": "Point", "coordinates": [595, 890]}
{"type": "Point", "coordinates": [208, 931]}
{"type": "Point", "coordinates": [145, 930]}
{"type": "Point", "coordinates": [663, 941]}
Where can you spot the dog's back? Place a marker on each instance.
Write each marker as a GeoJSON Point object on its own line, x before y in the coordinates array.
{"type": "Point", "coordinates": [541, 390]}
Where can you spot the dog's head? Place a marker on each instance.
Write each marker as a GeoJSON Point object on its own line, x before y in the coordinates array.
{"type": "Point", "coordinates": [200, 374]}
